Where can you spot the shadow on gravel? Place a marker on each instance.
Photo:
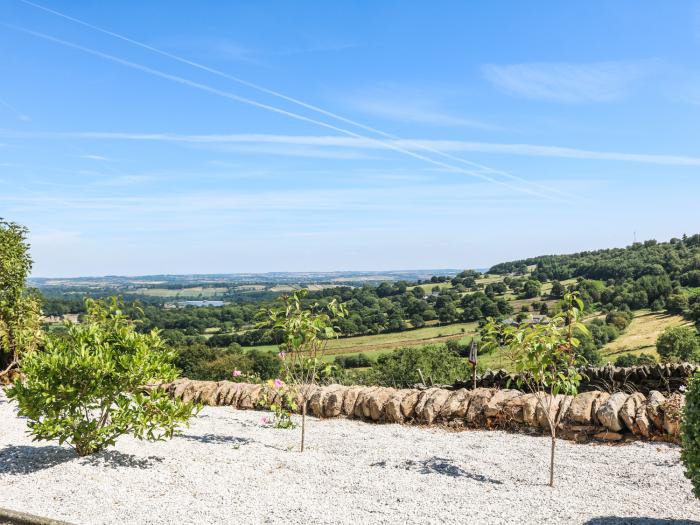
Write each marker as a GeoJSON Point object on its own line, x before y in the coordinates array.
{"type": "Point", "coordinates": [216, 439]}
{"type": "Point", "coordinates": [220, 439]}
{"type": "Point", "coordinates": [619, 520]}
{"type": "Point", "coordinates": [442, 466]}
{"type": "Point", "coordinates": [115, 459]}
{"type": "Point", "coordinates": [24, 459]}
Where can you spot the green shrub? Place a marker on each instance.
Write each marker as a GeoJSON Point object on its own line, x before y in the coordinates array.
{"type": "Point", "coordinates": [618, 319]}
{"type": "Point", "coordinates": [677, 303]}
{"type": "Point", "coordinates": [353, 361]}
{"type": "Point", "coordinates": [20, 308]}
{"type": "Point", "coordinates": [216, 364]}
{"type": "Point", "coordinates": [679, 343]}
{"type": "Point", "coordinates": [87, 387]}
{"type": "Point", "coordinates": [635, 360]}
{"type": "Point", "coordinates": [407, 366]}
{"type": "Point", "coordinates": [690, 434]}
{"type": "Point", "coordinates": [458, 348]}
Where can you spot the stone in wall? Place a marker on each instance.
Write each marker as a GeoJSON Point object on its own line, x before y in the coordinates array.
{"type": "Point", "coordinates": [609, 413]}
{"type": "Point", "coordinates": [392, 408]}
{"type": "Point", "coordinates": [378, 401]}
{"type": "Point", "coordinates": [333, 400]}
{"type": "Point", "coordinates": [479, 398]}
{"type": "Point", "coordinates": [500, 398]}
{"type": "Point", "coordinates": [408, 404]}
{"type": "Point", "coordinates": [530, 404]}
{"type": "Point", "coordinates": [655, 401]}
{"type": "Point", "coordinates": [350, 399]}
{"type": "Point", "coordinates": [628, 412]}
{"type": "Point", "coordinates": [434, 401]}
{"type": "Point", "coordinates": [362, 403]}
{"type": "Point", "coordinates": [513, 411]}
{"type": "Point", "coordinates": [456, 405]}
{"type": "Point", "coordinates": [549, 408]}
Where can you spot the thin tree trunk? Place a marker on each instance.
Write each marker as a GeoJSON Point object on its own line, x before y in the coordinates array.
{"type": "Point", "coordinates": [551, 462]}
{"type": "Point", "coordinates": [303, 424]}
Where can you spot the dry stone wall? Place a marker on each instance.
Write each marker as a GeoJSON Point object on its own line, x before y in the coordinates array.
{"type": "Point", "coordinates": [667, 377]}
{"type": "Point", "coordinates": [592, 414]}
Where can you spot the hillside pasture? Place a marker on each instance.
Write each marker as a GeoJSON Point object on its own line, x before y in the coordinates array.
{"type": "Point", "coordinates": [428, 287]}
{"type": "Point", "coordinates": [641, 335]}
{"type": "Point", "coordinates": [547, 287]}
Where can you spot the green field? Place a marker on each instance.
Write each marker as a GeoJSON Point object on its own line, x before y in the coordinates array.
{"type": "Point", "coordinates": [489, 279]}
{"type": "Point", "coordinates": [547, 287]}
{"type": "Point", "coordinates": [428, 287]}
{"type": "Point", "coordinates": [381, 343]}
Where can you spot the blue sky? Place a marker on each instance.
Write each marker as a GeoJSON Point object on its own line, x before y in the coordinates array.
{"type": "Point", "coordinates": [492, 131]}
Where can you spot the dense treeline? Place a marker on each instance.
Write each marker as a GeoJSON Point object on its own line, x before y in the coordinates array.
{"type": "Point", "coordinates": [679, 259]}
{"type": "Point", "coordinates": [645, 275]}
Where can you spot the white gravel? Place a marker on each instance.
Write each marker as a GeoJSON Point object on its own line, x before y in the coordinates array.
{"type": "Point", "coordinates": [228, 468]}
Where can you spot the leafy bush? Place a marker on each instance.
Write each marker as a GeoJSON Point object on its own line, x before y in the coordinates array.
{"type": "Point", "coordinates": [407, 366]}
{"type": "Point", "coordinates": [87, 388]}
{"type": "Point", "coordinates": [458, 348]}
{"type": "Point", "coordinates": [20, 312]}
{"type": "Point", "coordinates": [635, 360]}
{"type": "Point", "coordinates": [619, 319]}
{"type": "Point", "coordinates": [679, 343]}
{"type": "Point", "coordinates": [215, 364]}
{"type": "Point", "coordinates": [353, 361]}
{"type": "Point", "coordinates": [587, 350]}
{"type": "Point", "coordinates": [677, 303]}
{"type": "Point", "coordinates": [690, 433]}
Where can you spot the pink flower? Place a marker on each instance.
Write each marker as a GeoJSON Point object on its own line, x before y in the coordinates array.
{"type": "Point", "coordinates": [281, 355]}
{"type": "Point", "coordinates": [264, 420]}
{"type": "Point", "coordinates": [279, 383]}
{"type": "Point", "coordinates": [237, 373]}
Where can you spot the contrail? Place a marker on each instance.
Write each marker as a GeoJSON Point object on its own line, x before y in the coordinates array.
{"type": "Point", "coordinates": [20, 115]}
{"type": "Point", "coordinates": [244, 100]}
{"type": "Point", "coordinates": [293, 100]}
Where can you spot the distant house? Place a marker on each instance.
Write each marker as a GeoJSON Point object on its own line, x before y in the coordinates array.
{"type": "Point", "coordinates": [534, 319]}
{"type": "Point", "coordinates": [199, 304]}
{"type": "Point", "coordinates": [53, 319]}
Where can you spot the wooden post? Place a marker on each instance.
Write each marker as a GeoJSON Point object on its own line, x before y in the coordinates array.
{"type": "Point", "coordinates": [472, 360]}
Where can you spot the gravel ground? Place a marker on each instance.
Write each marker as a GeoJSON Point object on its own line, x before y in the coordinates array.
{"type": "Point", "coordinates": [229, 468]}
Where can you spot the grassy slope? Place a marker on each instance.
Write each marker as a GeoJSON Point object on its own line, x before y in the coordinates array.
{"type": "Point", "coordinates": [640, 336]}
